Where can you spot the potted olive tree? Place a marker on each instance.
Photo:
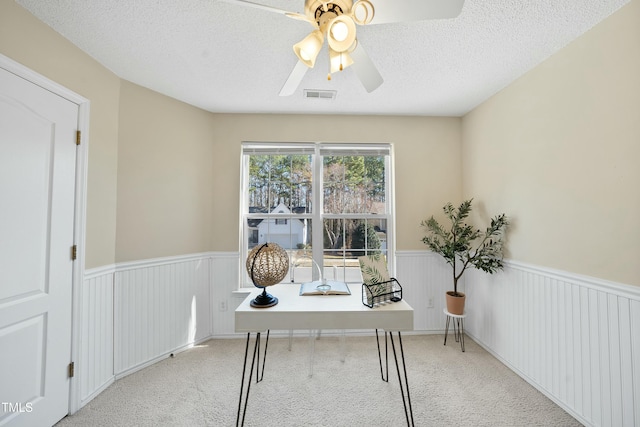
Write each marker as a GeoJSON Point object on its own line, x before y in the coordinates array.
{"type": "Point", "coordinates": [464, 246]}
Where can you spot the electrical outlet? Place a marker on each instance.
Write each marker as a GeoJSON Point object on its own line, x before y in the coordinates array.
{"type": "Point", "coordinates": [223, 305]}
{"type": "Point", "coordinates": [430, 302]}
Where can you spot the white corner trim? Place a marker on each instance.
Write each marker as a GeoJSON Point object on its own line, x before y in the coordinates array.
{"type": "Point", "coordinates": [92, 273]}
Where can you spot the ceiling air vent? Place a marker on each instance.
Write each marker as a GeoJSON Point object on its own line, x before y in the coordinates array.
{"type": "Point", "coordinates": [319, 94]}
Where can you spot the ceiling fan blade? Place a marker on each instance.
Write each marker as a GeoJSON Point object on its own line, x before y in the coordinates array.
{"type": "Point", "coordinates": [365, 69]}
{"type": "Point", "coordinates": [390, 11]}
{"type": "Point", "coordinates": [294, 15]}
{"type": "Point", "coordinates": [256, 5]}
{"type": "Point", "coordinates": [294, 79]}
{"type": "Point", "coordinates": [300, 17]}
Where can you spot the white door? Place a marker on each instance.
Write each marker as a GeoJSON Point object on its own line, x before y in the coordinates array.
{"type": "Point", "coordinates": [37, 180]}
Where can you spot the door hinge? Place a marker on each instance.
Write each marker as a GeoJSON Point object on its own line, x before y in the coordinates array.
{"type": "Point", "coordinates": [72, 369]}
{"type": "Point", "coordinates": [78, 137]}
{"type": "Point", "coordinates": [74, 252]}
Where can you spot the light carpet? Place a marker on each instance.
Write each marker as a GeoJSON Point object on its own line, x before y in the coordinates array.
{"type": "Point", "coordinates": [200, 387]}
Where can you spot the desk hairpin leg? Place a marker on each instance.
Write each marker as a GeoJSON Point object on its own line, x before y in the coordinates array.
{"type": "Point", "coordinates": [256, 357]}
{"type": "Point", "coordinates": [404, 389]}
{"type": "Point", "coordinates": [385, 378]}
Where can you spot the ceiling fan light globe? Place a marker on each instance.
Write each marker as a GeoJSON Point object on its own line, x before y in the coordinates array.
{"type": "Point", "coordinates": [308, 49]}
{"type": "Point", "coordinates": [304, 55]}
{"type": "Point", "coordinates": [339, 39]}
{"type": "Point", "coordinates": [339, 31]}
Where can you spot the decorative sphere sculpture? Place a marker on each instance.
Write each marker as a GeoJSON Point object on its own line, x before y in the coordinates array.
{"type": "Point", "coordinates": [267, 264]}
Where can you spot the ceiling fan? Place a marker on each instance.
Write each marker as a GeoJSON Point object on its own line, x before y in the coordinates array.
{"type": "Point", "coordinates": [336, 20]}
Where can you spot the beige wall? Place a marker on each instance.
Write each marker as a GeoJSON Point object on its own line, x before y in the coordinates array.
{"type": "Point", "coordinates": [179, 169]}
{"type": "Point", "coordinates": [168, 174]}
{"type": "Point", "coordinates": [558, 151]}
{"type": "Point", "coordinates": [427, 154]}
{"type": "Point", "coordinates": [26, 40]}
{"type": "Point", "coordinates": [165, 177]}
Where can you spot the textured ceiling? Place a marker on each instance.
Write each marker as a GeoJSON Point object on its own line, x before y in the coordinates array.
{"type": "Point", "coordinates": [223, 57]}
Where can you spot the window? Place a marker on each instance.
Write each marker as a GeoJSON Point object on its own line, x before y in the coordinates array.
{"type": "Point", "coordinates": [325, 204]}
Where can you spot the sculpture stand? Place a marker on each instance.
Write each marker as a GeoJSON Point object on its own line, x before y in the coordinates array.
{"type": "Point", "coordinates": [264, 300]}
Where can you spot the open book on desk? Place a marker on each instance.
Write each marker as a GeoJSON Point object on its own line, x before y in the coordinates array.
{"type": "Point", "coordinates": [337, 288]}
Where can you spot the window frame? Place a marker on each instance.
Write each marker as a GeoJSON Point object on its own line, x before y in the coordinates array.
{"type": "Point", "coordinates": [318, 150]}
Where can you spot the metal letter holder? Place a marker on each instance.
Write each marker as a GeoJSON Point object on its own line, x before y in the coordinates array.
{"type": "Point", "coordinates": [381, 293]}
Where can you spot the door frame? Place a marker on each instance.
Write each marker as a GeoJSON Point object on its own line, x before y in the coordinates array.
{"type": "Point", "coordinates": [80, 208]}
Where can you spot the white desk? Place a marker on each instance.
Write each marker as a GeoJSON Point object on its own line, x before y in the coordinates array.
{"type": "Point", "coordinates": [321, 312]}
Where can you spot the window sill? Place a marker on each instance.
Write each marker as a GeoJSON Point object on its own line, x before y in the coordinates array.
{"type": "Point", "coordinates": [242, 292]}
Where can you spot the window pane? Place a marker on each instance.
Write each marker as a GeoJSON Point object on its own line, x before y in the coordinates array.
{"type": "Point", "coordinates": [302, 266]}
{"type": "Point", "coordinates": [343, 267]}
{"type": "Point", "coordinates": [258, 194]}
{"type": "Point", "coordinates": [280, 179]}
{"type": "Point", "coordinates": [355, 235]}
{"type": "Point", "coordinates": [380, 228]}
{"type": "Point", "coordinates": [301, 197]}
{"type": "Point", "coordinates": [300, 169]}
{"type": "Point", "coordinates": [294, 237]}
{"type": "Point", "coordinates": [333, 184]}
{"type": "Point", "coordinates": [354, 184]}
{"type": "Point", "coordinates": [346, 239]}
{"type": "Point", "coordinates": [333, 232]}
{"type": "Point", "coordinates": [279, 192]}
{"type": "Point", "coordinates": [364, 239]}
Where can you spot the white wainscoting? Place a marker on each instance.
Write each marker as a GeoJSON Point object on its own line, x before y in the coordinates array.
{"type": "Point", "coordinates": [134, 314]}
{"type": "Point", "coordinates": [425, 278]}
{"type": "Point", "coordinates": [95, 366]}
{"type": "Point", "coordinates": [575, 338]}
{"type": "Point", "coordinates": [160, 306]}
{"type": "Point", "coordinates": [225, 299]}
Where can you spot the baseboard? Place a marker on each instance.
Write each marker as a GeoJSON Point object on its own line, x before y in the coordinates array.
{"type": "Point", "coordinates": [96, 392]}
